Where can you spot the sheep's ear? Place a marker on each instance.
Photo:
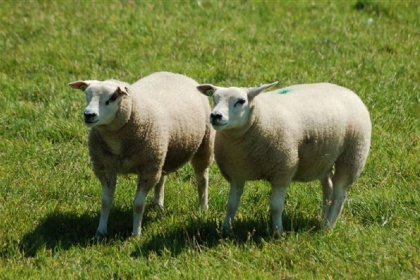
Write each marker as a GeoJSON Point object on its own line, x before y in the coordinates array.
{"type": "Point", "coordinates": [207, 89]}
{"type": "Point", "coordinates": [82, 85]}
{"type": "Point", "coordinates": [123, 91]}
{"type": "Point", "coordinates": [252, 92]}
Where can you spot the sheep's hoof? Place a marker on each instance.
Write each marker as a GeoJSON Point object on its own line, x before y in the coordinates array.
{"type": "Point", "coordinates": [159, 208]}
{"type": "Point", "coordinates": [227, 231]}
{"type": "Point", "coordinates": [135, 235]}
{"type": "Point", "coordinates": [203, 208]}
{"type": "Point", "coordinates": [326, 226]}
{"type": "Point", "coordinates": [99, 236]}
{"type": "Point", "coordinates": [278, 233]}
{"type": "Point", "coordinates": [226, 234]}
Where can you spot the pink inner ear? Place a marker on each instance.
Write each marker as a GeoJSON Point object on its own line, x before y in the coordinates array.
{"type": "Point", "coordinates": [206, 89]}
{"type": "Point", "coordinates": [77, 84]}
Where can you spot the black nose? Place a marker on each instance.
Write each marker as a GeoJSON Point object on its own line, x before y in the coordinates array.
{"type": "Point", "coordinates": [89, 117]}
{"type": "Point", "coordinates": [215, 117]}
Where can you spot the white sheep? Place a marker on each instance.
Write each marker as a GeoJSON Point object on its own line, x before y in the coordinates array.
{"type": "Point", "coordinates": [299, 133]}
{"type": "Point", "coordinates": [149, 128]}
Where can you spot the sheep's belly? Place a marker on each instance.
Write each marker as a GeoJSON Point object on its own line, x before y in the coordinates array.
{"type": "Point", "coordinates": [311, 174]}
{"type": "Point", "coordinates": [127, 166]}
{"type": "Point", "coordinates": [175, 161]}
{"type": "Point", "coordinates": [315, 168]}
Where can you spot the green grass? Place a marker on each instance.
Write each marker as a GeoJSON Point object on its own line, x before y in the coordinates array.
{"type": "Point", "coordinates": [50, 199]}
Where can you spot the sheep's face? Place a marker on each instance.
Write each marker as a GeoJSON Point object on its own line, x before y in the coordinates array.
{"type": "Point", "coordinates": [232, 106]}
{"type": "Point", "coordinates": [102, 101]}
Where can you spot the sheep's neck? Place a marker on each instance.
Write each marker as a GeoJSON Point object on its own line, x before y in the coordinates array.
{"type": "Point", "coordinates": [121, 119]}
{"type": "Point", "coordinates": [240, 132]}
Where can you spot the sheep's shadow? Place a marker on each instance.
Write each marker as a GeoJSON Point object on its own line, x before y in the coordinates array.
{"type": "Point", "coordinates": [64, 230]}
{"type": "Point", "coordinates": [197, 234]}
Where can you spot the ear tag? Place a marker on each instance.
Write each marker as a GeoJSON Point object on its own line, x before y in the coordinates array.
{"type": "Point", "coordinates": [83, 87]}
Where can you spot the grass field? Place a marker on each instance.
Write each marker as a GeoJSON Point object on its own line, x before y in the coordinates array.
{"type": "Point", "coordinates": [50, 199]}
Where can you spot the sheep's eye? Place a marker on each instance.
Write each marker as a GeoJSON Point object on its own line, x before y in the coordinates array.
{"type": "Point", "coordinates": [240, 101]}
{"type": "Point", "coordinates": [112, 98]}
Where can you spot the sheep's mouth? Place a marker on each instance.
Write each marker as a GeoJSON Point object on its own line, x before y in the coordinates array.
{"type": "Point", "coordinates": [91, 122]}
{"type": "Point", "coordinates": [218, 126]}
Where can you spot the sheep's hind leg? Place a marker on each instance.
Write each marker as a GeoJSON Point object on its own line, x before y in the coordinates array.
{"type": "Point", "coordinates": [108, 182]}
{"type": "Point", "coordinates": [339, 194]}
{"type": "Point", "coordinates": [201, 162]}
{"type": "Point", "coordinates": [202, 181]}
{"type": "Point", "coordinates": [236, 190]}
{"type": "Point", "coordinates": [327, 189]}
{"type": "Point", "coordinates": [159, 196]}
{"type": "Point", "coordinates": [145, 183]}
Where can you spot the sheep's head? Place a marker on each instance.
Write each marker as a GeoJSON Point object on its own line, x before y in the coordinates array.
{"type": "Point", "coordinates": [232, 105]}
{"type": "Point", "coordinates": [102, 99]}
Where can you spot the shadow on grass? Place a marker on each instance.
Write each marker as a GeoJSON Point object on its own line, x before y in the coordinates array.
{"type": "Point", "coordinates": [200, 234]}
{"type": "Point", "coordinates": [61, 231]}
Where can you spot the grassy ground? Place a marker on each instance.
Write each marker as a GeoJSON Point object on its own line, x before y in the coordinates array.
{"type": "Point", "coordinates": [50, 199]}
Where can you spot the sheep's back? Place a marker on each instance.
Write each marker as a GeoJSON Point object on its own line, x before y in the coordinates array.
{"type": "Point", "coordinates": [180, 113]}
{"type": "Point", "coordinates": [174, 93]}
{"type": "Point", "coordinates": [317, 107]}
{"type": "Point", "coordinates": [307, 127]}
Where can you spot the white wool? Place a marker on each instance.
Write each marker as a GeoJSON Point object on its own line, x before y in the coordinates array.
{"type": "Point", "coordinates": [299, 133]}
{"type": "Point", "coordinates": [150, 128]}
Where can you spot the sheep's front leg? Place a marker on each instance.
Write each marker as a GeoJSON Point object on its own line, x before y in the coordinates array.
{"type": "Point", "coordinates": [278, 195]}
{"type": "Point", "coordinates": [236, 190]}
{"type": "Point", "coordinates": [108, 182]}
{"type": "Point", "coordinates": [145, 183]}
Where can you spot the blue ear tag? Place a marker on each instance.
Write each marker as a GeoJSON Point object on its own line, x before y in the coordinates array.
{"type": "Point", "coordinates": [284, 91]}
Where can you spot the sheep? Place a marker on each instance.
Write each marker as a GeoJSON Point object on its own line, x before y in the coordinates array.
{"type": "Point", "coordinates": [150, 128]}
{"type": "Point", "coordinates": [300, 133]}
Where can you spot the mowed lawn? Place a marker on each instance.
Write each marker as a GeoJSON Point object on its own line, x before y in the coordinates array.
{"type": "Point", "coordinates": [50, 199]}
